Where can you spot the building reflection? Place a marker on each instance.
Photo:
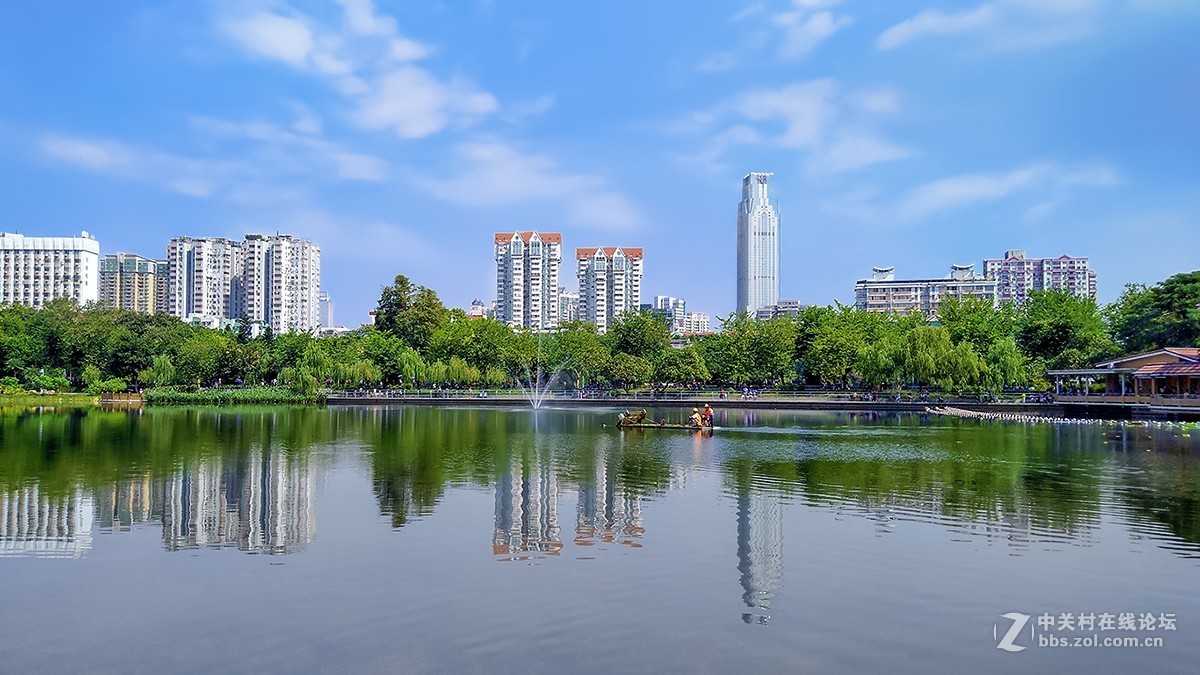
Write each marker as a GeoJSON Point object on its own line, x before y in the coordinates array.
{"type": "Point", "coordinates": [34, 523]}
{"type": "Point", "coordinates": [759, 552]}
{"type": "Point", "coordinates": [264, 502]}
{"type": "Point", "coordinates": [606, 511]}
{"type": "Point", "coordinates": [528, 492]}
{"type": "Point", "coordinates": [526, 519]}
{"type": "Point", "coordinates": [136, 501]}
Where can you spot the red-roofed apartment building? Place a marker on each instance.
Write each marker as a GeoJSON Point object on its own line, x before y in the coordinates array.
{"type": "Point", "coordinates": [527, 278]}
{"type": "Point", "coordinates": [610, 282]}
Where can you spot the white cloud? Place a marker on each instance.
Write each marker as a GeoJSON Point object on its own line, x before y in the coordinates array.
{"type": "Point", "coordinates": [369, 63]}
{"type": "Point", "coordinates": [853, 151]}
{"type": "Point", "coordinates": [958, 191]}
{"type": "Point", "coordinates": [496, 174]}
{"type": "Point", "coordinates": [516, 112]}
{"type": "Point", "coordinates": [124, 161]}
{"type": "Point", "coordinates": [1000, 24]}
{"type": "Point", "coordinates": [935, 22]}
{"type": "Point", "coordinates": [964, 190]}
{"type": "Point", "coordinates": [373, 240]}
{"type": "Point", "coordinates": [415, 104]}
{"type": "Point", "coordinates": [806, 110]}
{"type": "Point", "coordinates": [362, 19]}
{"type": "Point", "coordinates": [354, 166]}
{"type": "Point", "coordinates": [304, 148]}
{"type": "Point", "coordinates": [86, 153]}
{"type": "Point", "coordinates": [404, 49]}
{"type": "Point", "coordinates": [879, 100]}
{"type": "Point", "coordinates": [838, 132]}
{"type": "Point", "coordinates": [718, 63]}
{"type": "Point", "coordinates": [306, 122]}
{"type": "Point", "coordinates": [804, 29]}
{"type": "Point", "coordinates": [274, 36]}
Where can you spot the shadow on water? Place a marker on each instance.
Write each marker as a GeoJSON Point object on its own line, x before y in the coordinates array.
{"type": "Point", "coordinates": [247, 478]}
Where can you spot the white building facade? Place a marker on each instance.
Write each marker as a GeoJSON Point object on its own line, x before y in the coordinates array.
{"type": "Point", "coordinates": [675, 309]}
{"type": "Point", "coordinates": [695, 323]}
{"type": "Point", "coordinates": [1017, 275]}
{"type": "Point", "coordinates": [884, 293]}
{"type": "Point", "coordinates": [204, 278]}
{"type": "Point", "coordinates": [757, 245]}
{"type": "Point", "coordinates": [610, 283]}
{"type": "Point", "coordinates": [273, 280]}
{"type": "Point", "coordinates": [527, 265]}
{"type": "Point", "coordinates": [568, 306]}
{"type": "Point", "coordinates": [36, 270]}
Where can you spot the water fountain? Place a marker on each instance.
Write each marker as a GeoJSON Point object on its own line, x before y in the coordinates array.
{"type": "Point", "coordinates": [538, 390]}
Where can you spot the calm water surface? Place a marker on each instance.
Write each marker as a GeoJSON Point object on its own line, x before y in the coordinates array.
{"type": "Point", "coordinates": [471, 540]}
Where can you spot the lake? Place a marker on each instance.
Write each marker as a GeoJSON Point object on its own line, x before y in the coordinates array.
{"type": "Point", "coordinates": [508, 540]}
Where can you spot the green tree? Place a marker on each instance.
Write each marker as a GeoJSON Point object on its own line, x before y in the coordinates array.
{"type": "Point", "coordinates": [643, 334]}
{"type": "Point", "coordinates": [579, 349]}
{"type": "Point", "coordinates": [1062, 330]}
{"type": "Point", "coordinates": [1177, 300]}
{"type": "Point", "coordinates": [976, 321]}
{"type": "Point", "coordinates": [409, 311]}
{"type": "Point", "coordinates": [630, 371]}
{"type": "Point", "coordinates": [680, 366]}
{"type": "Point", "coordinates": [1133, 320]}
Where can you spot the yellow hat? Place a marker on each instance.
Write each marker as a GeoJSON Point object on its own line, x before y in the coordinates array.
{"type": "Point", "coordinates": [695, 410]}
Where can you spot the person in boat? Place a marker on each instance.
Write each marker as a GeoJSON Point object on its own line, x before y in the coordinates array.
{"type": "Point", "coordinates": [707, 416]}
{"type": "Point", "coordinates": [696, 420]}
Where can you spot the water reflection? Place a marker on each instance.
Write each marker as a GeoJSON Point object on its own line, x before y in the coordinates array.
{"type": "Point", "coordinates": [50, 525]}
{"type": "Point", "coordinates": [247, 478]}
{"type": "Point", "coordinates": [759, 552]}
{"type": "Point", "coordinates": [526, 509]}
{"type": "Point", "coordinates": [263, 502]}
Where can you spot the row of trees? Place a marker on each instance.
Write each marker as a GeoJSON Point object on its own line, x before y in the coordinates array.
{"type": "Point", "coordinates": [417, 341]}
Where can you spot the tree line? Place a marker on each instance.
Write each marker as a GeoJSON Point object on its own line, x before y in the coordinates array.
{"type": "Point", "coordinates": [417, 342]}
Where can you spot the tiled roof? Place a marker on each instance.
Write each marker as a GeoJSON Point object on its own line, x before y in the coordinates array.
{"type": "Point", "coordinates": [1168, 369]}
{"type": "Point", "coordinates": [609, 251]}
{"type": "Point", "coordinates": [1185, 353]}
{"type": "Point", "coordinates": [548, 237]}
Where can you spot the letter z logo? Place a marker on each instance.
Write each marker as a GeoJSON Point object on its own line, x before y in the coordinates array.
{"type": "Point", "coordinates": [1018, 624]}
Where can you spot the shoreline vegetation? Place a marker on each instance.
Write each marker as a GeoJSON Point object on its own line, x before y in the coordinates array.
{"type": "Point", "coordinates": [971, 350]}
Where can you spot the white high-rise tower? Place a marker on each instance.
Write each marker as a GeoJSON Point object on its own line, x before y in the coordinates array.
{"type": "Point", "coordinates": [757, 245]}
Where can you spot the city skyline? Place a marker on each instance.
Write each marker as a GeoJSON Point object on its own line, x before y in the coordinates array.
{"type": "Point", "coordinates": [917, 130]}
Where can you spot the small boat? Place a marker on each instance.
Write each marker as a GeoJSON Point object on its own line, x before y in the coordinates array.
{"type": "Point", "coordinates": [662, 425]}
{"type": "Point", "coordinates": [638, 420]}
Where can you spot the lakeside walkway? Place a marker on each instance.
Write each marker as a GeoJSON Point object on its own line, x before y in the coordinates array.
{"type": "Point", "coordinates": [769, 402]}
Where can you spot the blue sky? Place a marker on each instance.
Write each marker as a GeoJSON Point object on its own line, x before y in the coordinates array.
{"type": "Point", "coordinates": [401, 135]}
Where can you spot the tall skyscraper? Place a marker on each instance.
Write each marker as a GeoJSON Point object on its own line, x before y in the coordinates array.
{"type": "Point", "coordinates": [610, 283]}
{"type": "Point", "coordinates": [36, 270]}
{"type": "Point", "coordinates": [757, 245]}
{"type": "Point", "coordinates": [1018, 274]}
{"type": "Point", "coordinates": [527, 278]}
{"type": "Point", "coordinates": [272, 280]}
{"type": "Point", "coordinates": [131, 282]}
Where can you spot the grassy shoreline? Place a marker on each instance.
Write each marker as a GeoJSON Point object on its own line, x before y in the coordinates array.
{"type": "Point", "coordinates": [30, 400]}
{"type": "Point", "coordinates": [239, 396]}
